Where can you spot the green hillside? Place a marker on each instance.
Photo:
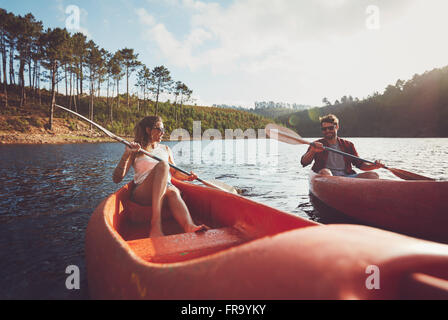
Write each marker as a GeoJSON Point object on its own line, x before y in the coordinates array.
{"type": "Point", "coordinates": [414, 108]}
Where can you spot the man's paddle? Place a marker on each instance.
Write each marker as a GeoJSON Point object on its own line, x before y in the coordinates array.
{"type": "Point", "coordinates": [286, 135]}
{"type": "Point", "coordinates": [222, 186]}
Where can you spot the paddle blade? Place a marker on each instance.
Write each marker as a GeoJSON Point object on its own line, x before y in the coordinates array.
{"type": "Point", "coordinates": [277, 132]}
{"type": "Point", "coordinates": [406, 175]}
{"type": "Point", "coordinates": [224, 186]}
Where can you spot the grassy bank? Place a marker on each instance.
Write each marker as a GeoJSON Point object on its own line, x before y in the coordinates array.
{"type": "Point", "coordinates": [29, 123]}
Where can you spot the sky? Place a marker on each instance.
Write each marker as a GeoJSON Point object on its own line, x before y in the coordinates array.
{"type": "Point", "coordinates": [241, 51]}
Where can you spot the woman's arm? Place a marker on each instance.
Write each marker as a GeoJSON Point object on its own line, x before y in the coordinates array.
{"type": "Point", "coordinates": [125, 163]}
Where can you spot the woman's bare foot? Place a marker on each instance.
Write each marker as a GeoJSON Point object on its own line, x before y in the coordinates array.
{"type": "Point", "coordinates": [195, 228]}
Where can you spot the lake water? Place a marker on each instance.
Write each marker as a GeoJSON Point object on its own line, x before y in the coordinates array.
{"type": "Point", "coordinates": [48, 192]}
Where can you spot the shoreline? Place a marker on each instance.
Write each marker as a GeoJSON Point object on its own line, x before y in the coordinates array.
{"type": "Point", "coordinates": [19, 138]}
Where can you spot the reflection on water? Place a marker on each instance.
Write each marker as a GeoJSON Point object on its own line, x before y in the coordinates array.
{"type": "Point", "coordinates": [47, 193]}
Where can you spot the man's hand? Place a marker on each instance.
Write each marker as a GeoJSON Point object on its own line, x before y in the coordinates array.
{"type": "Point", "coordinates": [378, 164]}
{"type": "Point", "coordinates": [317, 147]}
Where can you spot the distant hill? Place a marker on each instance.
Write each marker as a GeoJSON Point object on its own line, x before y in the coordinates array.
{"type": "Point", "coordinates": [414, 108]}
{"type": "Point", "coordinates": [269, 109]}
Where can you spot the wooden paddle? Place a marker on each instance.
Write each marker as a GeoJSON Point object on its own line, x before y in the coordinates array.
{"type": "Point", "coordinates": [222, 186]}
{"type": "Point", "coordinates": [286, 135]}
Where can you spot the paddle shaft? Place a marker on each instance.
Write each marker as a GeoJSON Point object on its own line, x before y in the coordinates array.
{"type": "Point", "coordinates": [127, 143]}
{"type": "Point", "coordinates": [346, 154]}
{"type": "Point", "coordinates": [325, 148]}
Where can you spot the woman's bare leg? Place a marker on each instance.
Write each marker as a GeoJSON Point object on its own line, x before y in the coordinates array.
{"type": "Point", "coordinates": [180, 211]}
{"type": "Point", "coordinates": [150, 192]}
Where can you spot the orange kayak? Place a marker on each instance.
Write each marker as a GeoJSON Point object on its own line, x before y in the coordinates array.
{"type": "Point", "coordinates": [253, 251]}
{"type": "Point", "coordinates": [416, 208]}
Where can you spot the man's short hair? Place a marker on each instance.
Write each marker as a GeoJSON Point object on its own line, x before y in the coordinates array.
{"type": "Point", "coordinates": [329, 118]}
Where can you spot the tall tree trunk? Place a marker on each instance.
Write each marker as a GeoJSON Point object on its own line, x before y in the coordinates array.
{"type": "Point", "coordinates": [99, 88]}
{"type": "Point", "coordinates": [53, 93]}
{"type": "Point", "coordinates": [91, 101]}
{"type": "Point", "coordinates": [22, 82]}
{"type": "Point", "coordinates": [127, 84]}
{"type": "Point", "coordinates": [5, 80]}
{"type": "Point", "coordinates": [111, 107]}
{"type": "Point", "coordinates": [107, 92]}
{"type": "Point", "coordinates": [118, 94]}
{"type": "Point", "coordinates": [77, 90]}
{"type": "Point", "coordinates": [70, 92]}
{"type": "Point", "coordinates": [35, 79]}
{"type": "Point", "coordinates": [157, 98]}
{"type": "Point", "coordinates": [80, 76]}
{"type": "Point", "coordinates": [38, 85]}
{"type": "Point", "coordinates": [29, 75]}
{"type": "Point", "coordinates": [144, 100]}
{"type": "Point", "coordinates": [75, 77]}
{"type": "Point", "coordinates": [12, 79]}
{"type": "Point", "coordinates": [66, 80]}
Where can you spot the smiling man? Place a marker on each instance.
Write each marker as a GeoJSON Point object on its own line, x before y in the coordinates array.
{"type": "Point", "coordinates": [331, 163]}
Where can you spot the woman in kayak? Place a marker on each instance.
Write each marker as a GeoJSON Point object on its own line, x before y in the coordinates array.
{"type": "Point", "coordinates": [153, 179]}
{"type": "Point", "coordinates": [334, 164]}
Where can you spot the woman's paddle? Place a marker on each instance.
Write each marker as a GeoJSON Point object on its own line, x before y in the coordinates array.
{"type": "Point", "coordinates": [222, 186]}
{"type": "Point", "coordinates": [286, 135]}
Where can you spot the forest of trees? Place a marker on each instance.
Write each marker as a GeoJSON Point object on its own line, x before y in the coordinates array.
{"type": "Point", "coordinates": [414, 108]}
{"type": "Point", "coordinates": [269, 109]}
{"type": "Point", "coordinates": [32, 56]}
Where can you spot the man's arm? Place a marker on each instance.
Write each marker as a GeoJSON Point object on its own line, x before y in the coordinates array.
{"type": "Point", "coordinates": [308, 157]}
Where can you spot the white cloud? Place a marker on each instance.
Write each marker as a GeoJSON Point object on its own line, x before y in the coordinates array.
{"type": "Point", "coordinates": [306, 50]}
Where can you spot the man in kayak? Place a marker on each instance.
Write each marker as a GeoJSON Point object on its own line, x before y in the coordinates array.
{"type": "Point", "coordinates": [152, 179]}
{"type": "Point", "coordinates": [332, 163]}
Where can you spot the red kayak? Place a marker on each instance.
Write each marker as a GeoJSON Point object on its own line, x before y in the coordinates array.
{"type": "Point", "coordinates": [416, 208]}
{"type": "Point", "coordinates": [253, 252]}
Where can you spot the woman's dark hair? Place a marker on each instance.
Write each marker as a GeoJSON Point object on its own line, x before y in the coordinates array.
{"type": "Point", "coordinates": [140, 134]}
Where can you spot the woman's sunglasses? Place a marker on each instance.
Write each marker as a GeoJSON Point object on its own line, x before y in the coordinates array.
{"type": "Point", "coordinates": [162, 130]}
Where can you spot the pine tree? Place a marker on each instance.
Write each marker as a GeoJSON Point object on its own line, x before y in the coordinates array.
{"type": "Point", "coordinates": [160, 82]}
{"type": "Point", "coordinates": [130, 62]}
{"type": "Point", "coordinates": [55, 42]}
